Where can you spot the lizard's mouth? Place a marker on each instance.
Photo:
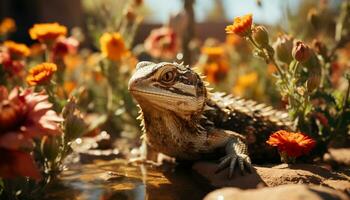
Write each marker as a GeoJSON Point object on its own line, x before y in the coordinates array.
{"type": "Point", "coordinates": [143, 92]}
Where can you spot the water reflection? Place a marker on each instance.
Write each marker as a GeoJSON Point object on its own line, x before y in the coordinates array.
{"type": "Point", "coordinates": [107, 180]}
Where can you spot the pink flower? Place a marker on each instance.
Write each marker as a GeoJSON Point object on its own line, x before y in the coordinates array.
{"type": "Point", "coordinates": [162, 43]}
{"type": "Point", "coordinates": [64, 46]}
{"type": "Point", "coordinates": [23, 116]}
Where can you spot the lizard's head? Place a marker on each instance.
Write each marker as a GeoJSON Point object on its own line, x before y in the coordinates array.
{"type": "Point", "coordinates": [169, 87]}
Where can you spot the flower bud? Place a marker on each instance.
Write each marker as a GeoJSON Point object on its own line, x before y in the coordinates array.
{"type": "Point", "coordinates": [74, 125]}
{"type": "Point", "coordinates": [260, 36]}
{"type": "Point", "coordinates": [283, 48]}
{"type": "Point", "coordinates": [301, 52]}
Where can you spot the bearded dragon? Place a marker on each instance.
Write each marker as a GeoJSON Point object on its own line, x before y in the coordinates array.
{"type": "Point", "coordinates": [183, 119]}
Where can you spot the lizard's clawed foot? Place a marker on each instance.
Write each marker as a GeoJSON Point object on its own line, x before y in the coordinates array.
{"type": "Point", "coordinates": [231, 160]}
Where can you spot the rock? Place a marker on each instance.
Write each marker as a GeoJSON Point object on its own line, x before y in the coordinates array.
{"type": "Point", "coordinates": [295, 192]}
{"type": "Point", "coordinates": [340, 156]}
{"type": "Point", "coordinates": [273, 175]}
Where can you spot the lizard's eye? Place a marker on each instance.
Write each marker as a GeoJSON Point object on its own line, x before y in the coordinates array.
{"type": "Point", "coordinates": [168, 77]}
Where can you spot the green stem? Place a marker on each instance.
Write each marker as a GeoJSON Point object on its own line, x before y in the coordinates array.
{"type": "Point", "coordinates": [268, 56]}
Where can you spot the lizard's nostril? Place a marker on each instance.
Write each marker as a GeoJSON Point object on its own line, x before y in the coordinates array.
{"type": "Point", "coordinates": [133, 84]}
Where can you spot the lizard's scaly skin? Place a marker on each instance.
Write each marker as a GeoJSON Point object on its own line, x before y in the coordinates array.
{"type": "Point", "coordinates": [182, 119]}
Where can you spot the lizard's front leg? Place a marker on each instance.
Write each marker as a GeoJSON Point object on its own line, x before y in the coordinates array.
{"type": "Point", "coordinates": [147, 155]}
{"type": "Point", "coordinates": [236, 152]}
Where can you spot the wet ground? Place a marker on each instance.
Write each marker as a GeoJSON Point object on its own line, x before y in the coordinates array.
{"type": "Point", "coordinates": [107, 180]}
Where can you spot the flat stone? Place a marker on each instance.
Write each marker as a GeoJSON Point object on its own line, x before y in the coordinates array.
{"type": "Point", "coordinates": [340, 156]}
{"type": "Point", "coordinates": [273, 175]}
{"type": "Point", "coordinates": [291, 191]}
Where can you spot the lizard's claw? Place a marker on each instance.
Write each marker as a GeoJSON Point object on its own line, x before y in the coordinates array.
{"type": "Point", "coordinates": [230, 161]}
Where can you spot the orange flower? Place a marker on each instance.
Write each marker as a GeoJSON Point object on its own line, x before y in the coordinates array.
{"type": "Point", "coordinates": [7, 25]}
{"type": "Point", "coordinates": [47, 31]}
{"type": "Point", "coordinates": [113, 46]}
{"type": "Point", "coordinates": [216, 71]}
{"type": "Point", "coordinates": [41, 74]}
{"type": "Point", "coordinates": [241, 25]}
{"type": "Point", "coordinates": [213, 51]}
{"type": "Point", "coordinates": [291, 144]}
{"type": "Point", "coordinates": [243, 82]}
{"type": "Point", "coordinates": [17, 49]}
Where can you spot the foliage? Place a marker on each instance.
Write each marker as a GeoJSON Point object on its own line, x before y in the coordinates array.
{"type": "Point", "coordinates": [87, 86]}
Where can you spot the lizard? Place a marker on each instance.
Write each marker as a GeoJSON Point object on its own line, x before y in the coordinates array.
{"type": "Point", "coordinates": [181, 117]}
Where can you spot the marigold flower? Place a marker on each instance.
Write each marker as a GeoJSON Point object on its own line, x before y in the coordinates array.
{"type": "Point", "coordinates": [243, 82]}
{"type": "Point", "coordinates": [291, 144]}
{"type": "Point", "coordinates": [216, 71]}
{"type": "Point", "coordinates": [162, 43]}
{"type": "Point", "coordinates": [23, 116]}
{"type": "Point", "coordinates": [7, 25]}
{"type": "Point", "coordinates": [17, 49]}
{"type": "Point", "coordinates": [47, 31]}
{"type": "Point", "coordinates": [41, 74]}
{"type": "Point", "coordinates": [213, 51]}
{"type": "Point", "coordinates": [241, 26]}
{"type": "Point", "coordinates": [113, 46]}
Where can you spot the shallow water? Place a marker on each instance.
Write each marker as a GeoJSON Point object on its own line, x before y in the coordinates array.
{"type": "Point", "coordinates": [107, 180]}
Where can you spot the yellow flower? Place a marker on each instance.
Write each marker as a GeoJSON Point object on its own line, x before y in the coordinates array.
{"type": "Point", "coordinates": [41, 74]}
{"type": "Point", "coordinates": [17, 49]}
{"type": "Point", "coordinates": [213, 51]}
{"type": "Point", "coordinates": [244, 82]}
{"type": "Point", "coordinates": [47, 31]}
{"type": "Point", "coordinates": [113, 46]}
{"type": "Point", "coordinates": [7, 25]}
{"type": "Point", "coordinates": [241, 26]}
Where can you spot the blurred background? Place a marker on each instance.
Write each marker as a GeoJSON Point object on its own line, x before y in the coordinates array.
{"type": "Point", "coordinates": [216, 13]}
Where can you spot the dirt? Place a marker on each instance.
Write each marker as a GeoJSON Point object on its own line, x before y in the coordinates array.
{"type": "Point", "coordinates": [295, 192]}
{"type": "Point", "coordinates": [275, 175]}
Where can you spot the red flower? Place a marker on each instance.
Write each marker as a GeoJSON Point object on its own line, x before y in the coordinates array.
{"type": "Point", "coordinates": [162, 43]}
{"type": "Point", "coordinates": [291, 144]}
{"type": "Point", "coordinates": [23, 116]}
